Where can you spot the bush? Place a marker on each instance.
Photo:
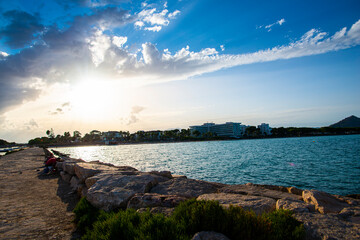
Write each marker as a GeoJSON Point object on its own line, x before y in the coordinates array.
{"type": "Point", "coordinates": [188, 218]}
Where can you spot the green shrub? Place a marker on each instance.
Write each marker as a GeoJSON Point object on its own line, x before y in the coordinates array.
{"type": "Point", "coordinates": [188, 218]}
{"type": "Point", "coordinates": [194, 216]}
{"type": "Point", "coordinates": [85, 215]}
{"type": "Point", "coordinates": [284, 226]}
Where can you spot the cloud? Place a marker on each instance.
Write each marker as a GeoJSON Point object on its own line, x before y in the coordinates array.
{"type": "Point", "coordinates": [269, 27]}
{"type": "Point", "coordinates": [31, 124]}
{"type": "Point", "coordinates": [222, 47]}
{"type": "Point", "coordinates": [62, 56]}
{"type": "Point", "coordinates": [119, 41]}
{"type": "Point", "coordinates": [65, 107]}
{"type": "Point", "coordinates": [90, 3]}
{"type": "Point", "coordinates": [59, 56]}
{"type": "Point", "coordinates": [154, 29]}
{"type": "Point", "coordinates": [3, 55]}
{"type": "Point", "coordinates": [152, 19]}
{"type": "Point", "coordinates": [22, 29]}
{"type": "Point", "coordinates": [133, 117]}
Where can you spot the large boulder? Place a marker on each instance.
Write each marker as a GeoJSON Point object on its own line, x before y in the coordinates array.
{"type": "Point", "coordinates": [209, 236]}
{"type": "Point", "coordinates": [65, 176]}
{"type": "Point", "coordinates": [257, 190]}
{"type": "Point", "coordinates": [327, 226]}
{"type": "Point", "coordinates": [324, 202]}
{"type": "Point", "coordinates": [256, 203]}
{"type": "Point", "coordinates": [113, 191]}
{"type": "Point", "coordinates": [85, 170]}
{"type": "Point", "coordinates": [68, 167]}
{"type": "Point", "coordinates": [295, 206]}
{"type": "Point", "coordinates": [150, 200]}
{"type": "Point", "coordinates": [189, 188]}
{"type": "Point", "coordinates": [74, 183]}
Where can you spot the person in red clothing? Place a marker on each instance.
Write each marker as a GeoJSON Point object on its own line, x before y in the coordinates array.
{"type": "Point", "coordinates": [50, 165]}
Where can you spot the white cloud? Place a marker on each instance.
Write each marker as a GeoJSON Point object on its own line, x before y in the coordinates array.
{"type": "Point", "coordinates": [154, 29]}
{"type": "Point", "coordinates": [139, 24]}
{"type": "Point", "coordinates": [98, 45]}
{"type": "Point", "coordinates": [3, 55]}
{"type": "Point", "coordinates": [119, 41]}
{"type": "Point", "coordinates": [66, 55]}
{"type": "Point", "coordinates": [281, 21]}
{"type": "Point", "coordinates": [222, 47]}
{"type": "Point", "coordinates": [152, 19]}
{"type": "Point", "coordinates": [278, 22]}
{"type": "Point", "coordinates": [173, 14]}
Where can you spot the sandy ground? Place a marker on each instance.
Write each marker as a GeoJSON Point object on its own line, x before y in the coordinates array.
{"type": "Point", "coordinates": [34, 206]}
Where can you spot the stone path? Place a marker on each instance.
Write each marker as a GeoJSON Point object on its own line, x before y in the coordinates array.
{"type": "Point", "coordinates": [33, 206]}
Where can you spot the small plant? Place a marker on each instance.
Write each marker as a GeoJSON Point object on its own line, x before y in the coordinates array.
{"type": "Point", "coordinates": [188, 218]}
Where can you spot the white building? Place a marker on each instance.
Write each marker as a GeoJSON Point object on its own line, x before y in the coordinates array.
{"type": "Point", "coordinates": [229, 129]}
{"type": "Point", "coordinates": [112, 137]}
{"type": "Point", "coordinates": [265, 129]}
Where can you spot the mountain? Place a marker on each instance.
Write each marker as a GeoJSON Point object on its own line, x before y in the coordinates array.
{"type": "Point", "coordinates": [348, 122]}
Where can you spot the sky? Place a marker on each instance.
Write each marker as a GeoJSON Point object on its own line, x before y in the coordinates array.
{"type": "Point", "coordinates": [157, 65]}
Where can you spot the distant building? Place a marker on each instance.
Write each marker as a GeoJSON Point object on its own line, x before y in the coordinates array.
{"type": "Point", "coordinates": [112, 137]}
{"type": "Point", "coordinates": [229, 129]}
{"type": "Point", "coordinates": [264, 129]}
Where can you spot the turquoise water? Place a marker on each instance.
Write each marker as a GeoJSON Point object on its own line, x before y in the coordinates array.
{"type": "Point", "coordinates": [330, 163]}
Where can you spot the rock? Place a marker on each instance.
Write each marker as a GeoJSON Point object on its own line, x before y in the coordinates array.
{"type": "Point", "coordinates": [324, 202]}
{"type": "Point", "coordinates": [184, 187]}
{"type": "Point", "coordinates": [327, 226]}
{"type": "Point", "coordinates": [162, 173]}
{"type": "Point", "coordinates": [295, 191]}
{"type": "Point", "coordinates": [59, 166]}
{"type": "Point", "coordinates": [295, 206]}
{"type": "Point", "coordinates": [254, 190]}
{"type": "Point", "coordinates": [66, 177]}
{"type": "Point", "coordinates": [69, 167]}
{"type": "Point", "coordinates": [85, 170]}
{"type": "Point", "coordinates": [351, 214]}
{"type": "Point", "coordinates": [92, 180]}
{"type": "Point", "coordinates": [74, 183]}
{"type": "Point", "coordinates": [209, 236]}
{"type": "Point", "coordinates": [82, 190]}
{"type": "Point", "coordinates": [179, 176]}
{"type": "Point", "coordinates": [114, 191]}
{"type": "Point", "coordinates": [355, 196]}
{"type": "Point", "coordinates": [154, 200]}
{"type": "Point", "coordinates": [256, 203]}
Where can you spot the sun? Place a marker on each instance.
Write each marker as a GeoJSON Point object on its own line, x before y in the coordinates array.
{"type": "Point", "coordinates": [95, 99]}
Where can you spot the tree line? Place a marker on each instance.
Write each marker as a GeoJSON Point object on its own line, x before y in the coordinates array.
{"type": "Point", "coordinates": [116, 137]}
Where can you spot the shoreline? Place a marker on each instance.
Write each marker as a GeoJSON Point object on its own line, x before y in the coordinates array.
{"type": "Point", "coordinates": [324, 215]}
{"type": "Point", "coordinates": [186, 141]}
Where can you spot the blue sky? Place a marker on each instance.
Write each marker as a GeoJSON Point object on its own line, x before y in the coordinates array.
{"type": "Point", "coordinates": [144, 65]}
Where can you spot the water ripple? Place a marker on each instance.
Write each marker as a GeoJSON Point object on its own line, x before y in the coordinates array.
{"type": "Point", "coordinates": [330, 163]}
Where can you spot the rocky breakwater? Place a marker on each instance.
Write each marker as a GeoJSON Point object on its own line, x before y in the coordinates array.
{"type": "Point", "coordinates": [110, 187]}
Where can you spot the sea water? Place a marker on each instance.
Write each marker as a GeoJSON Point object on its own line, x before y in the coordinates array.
{"type": "Point", "coordinates": [327, 163]}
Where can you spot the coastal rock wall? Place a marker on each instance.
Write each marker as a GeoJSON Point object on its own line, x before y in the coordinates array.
{"type": "Point", "coordinates": [110, 187]}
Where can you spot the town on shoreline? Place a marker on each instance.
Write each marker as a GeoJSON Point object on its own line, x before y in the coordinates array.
{"type": "Point", "coordinates": [205, 132]}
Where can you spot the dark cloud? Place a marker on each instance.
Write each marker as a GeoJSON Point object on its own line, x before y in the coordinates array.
{"type": "Point", "coordinates": [60, 56]}
{"type": "Point", "coordinates": [61, 110]}
{"type": "Point", "coordinates": [22, 29]}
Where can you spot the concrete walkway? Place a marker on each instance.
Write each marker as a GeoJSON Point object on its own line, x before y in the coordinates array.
{"type": "Point", "coordinates": [33, 206]}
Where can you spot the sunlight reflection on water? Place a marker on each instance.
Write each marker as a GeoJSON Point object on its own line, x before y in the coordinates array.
{"type": "Point", "coordinates": [329, 163]}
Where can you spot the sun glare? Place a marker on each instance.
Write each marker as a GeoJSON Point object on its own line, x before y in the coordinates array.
{"type": "Point", "coordinates": [97, 100]}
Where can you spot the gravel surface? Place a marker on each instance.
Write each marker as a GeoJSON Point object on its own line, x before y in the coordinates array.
{"type": "Point", "coordinates": [33, 206]}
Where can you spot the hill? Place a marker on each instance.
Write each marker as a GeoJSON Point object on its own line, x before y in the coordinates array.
{"type": "Point", "coordinates": [349, 122]}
